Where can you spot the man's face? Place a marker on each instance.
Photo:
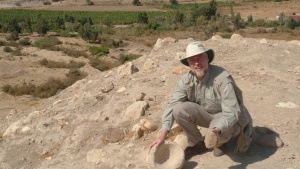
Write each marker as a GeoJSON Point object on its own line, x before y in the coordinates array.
{"type": "Point", "coordinates": [199, 64]}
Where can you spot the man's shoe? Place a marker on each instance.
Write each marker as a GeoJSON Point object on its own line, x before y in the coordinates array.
{"type": "Point", "coordinates": [219, 151]}
{"type": "Point", "coordinates": [199, 148]}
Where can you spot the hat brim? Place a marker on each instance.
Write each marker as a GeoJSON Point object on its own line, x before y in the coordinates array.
{"type": "Point", "coordinates": [210, 53]}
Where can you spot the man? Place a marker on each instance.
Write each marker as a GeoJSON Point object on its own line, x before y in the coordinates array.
{"type": "Point", "coordinates": [207, 96]}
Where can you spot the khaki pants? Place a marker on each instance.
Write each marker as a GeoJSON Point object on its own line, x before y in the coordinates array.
{"type": "Point", "coordinates": [189, 114]}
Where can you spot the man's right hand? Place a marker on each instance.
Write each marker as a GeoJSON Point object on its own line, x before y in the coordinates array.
{"type": "Point", "coordinates": [157, 142]}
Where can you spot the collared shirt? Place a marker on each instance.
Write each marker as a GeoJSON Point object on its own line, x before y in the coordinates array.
{"type": "Point", "coordinates": [215, 93]}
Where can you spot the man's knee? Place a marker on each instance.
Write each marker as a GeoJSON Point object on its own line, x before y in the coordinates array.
{"type": "Point", "coordinates": [178, 108]}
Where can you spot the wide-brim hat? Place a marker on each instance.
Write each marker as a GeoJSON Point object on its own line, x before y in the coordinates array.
{"type": "Point", "coordinates": [195, 48]}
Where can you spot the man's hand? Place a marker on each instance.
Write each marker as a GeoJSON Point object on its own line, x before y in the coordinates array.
{"type": "Point", "coordinates": [217, 131]}
{"type": "Point", "coordinates": [157, 142]}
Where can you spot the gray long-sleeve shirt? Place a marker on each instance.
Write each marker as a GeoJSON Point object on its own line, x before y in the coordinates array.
{"type": "Point", "coordinates": [215, 93]}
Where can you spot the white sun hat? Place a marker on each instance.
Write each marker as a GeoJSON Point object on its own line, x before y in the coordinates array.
{"type": "Point", "coordinates": [166, 156]}
{"type": "Point", "coordinates": [195, 48]}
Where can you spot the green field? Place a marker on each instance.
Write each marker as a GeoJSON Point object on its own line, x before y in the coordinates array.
{"type": "Point", "coordinates": [115, 17]}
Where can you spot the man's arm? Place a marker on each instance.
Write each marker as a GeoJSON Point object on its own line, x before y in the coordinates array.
{"type": "Point", "coordinates": [230, 108]}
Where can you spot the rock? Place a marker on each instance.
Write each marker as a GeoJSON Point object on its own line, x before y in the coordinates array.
{"type": "Point", "coordinates": [126, 70]}
{"type": "Point", "coordinates": [181, 140]}
{"type": "Point", "coordinates": [136, 110]}
{"type": "Point", "coordinates": [147, 125]}
{"type": "Point", "coordinates": [122, 89]}
{"type": "Point", "coordinates": [289, 105]}
{"type": "Point", "coordinates": [180, 55]}
{"type": "Point", "coordinates": [107, 88]}
{"type": "Point", "coordinates": [114, 135]}
{"type": "Point", "coordinates": [216, 37]}
{"type": "Point", "coordinates": [12, 129]}
{"type": "Point", "coordinates": [95, 156]}
{"type": "Point", "coordinates": [162, 42]}
{"type": "Point", "coordinates": [269, 140]}
{"type": "Point", "coordinates": [150, 65]}
{"type": "Point", "coordinates": [296, 42]}
{"type": "Point", "coordinates": [140, 97]}
{"type": "Point", "coordinates": [176, 129]}
{"type": "Point", "coordinates": [263, 41]}
{"type": "Point", "coordinates": [137, 131]}
{"type": "Point", "coordinates": [25, 129]}
{"type": "Point", "coordinates": [236, 36]}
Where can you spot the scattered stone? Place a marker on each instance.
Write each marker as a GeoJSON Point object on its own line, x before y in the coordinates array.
{"type": "Point", "coordinates": [296, 42]}
{"type": "Point", "coordinates": [150, 65]}
{"type": "Point", "coordinates": [12, 129]}
{"type": "Point", "coordinates": [107, 88]}
{"type": "Point", "coordinates": [137, 131]}
{"type": "Point", "coordinates": [181, 140]}
{"type": "Point", "coordinates": [126, 69]}
{"type": "Point", "coordinates": [137, 109]}
{"type": "Point", "coordinates": [263, 41]}
{"type": "Point", "coordinates": [140, 97]}
{"type": "Point", "coordinates": [289, 105]}
{"type": "Point", "coordinates": [216, 37]}
{"type": "Point", "coordinates": [95, 156]}
{"type": "Point", "coordinates": [114, 135]}
{"type": "Point", "coordinates": [25, 129]}
{"type": "Point", "coordinates": [161, 42]}
{"type": "Point", "coordinates": [147, 125]}
{"type": "Point", "coordinates": [269, 140]}
{"type": "Point", "coordinates": [180, 55]}
{"type": "Point", "coordinates": [236, 36]}
{"type": "Point", "coordinates": [122, 89]}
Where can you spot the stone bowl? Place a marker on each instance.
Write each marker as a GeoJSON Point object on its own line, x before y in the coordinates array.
{"type": "Point", "coordinates": [166, 156]}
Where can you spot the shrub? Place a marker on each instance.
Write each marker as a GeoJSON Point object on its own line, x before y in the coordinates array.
{"type": "Point", "coordinates": [102, 64]}
{"type": "Point", "coordinates": [2, 43]}
{"type": "Point", "coordinates": [47, 42]}
{"type": "Point", "coordinates": [25, 41]}
{"type": "Point", "coordinates": [13, 36]}
{"type": "Point", "coordinates": [89, 2]}
{"type": "Point", "coordinates": [100, 51]}
{"type": "Point", "coordinates": [179, 17]}
{"type": "Point", "coordinates": [7, 49]}
{"type": "Point", "coordinates": [226, 36]}
{"type": "Point", "coordinates": [123, 58]}
{"type": "Point", "coordinates": [54, 64]}
{"type": "Point", "coordinates": [72, 52]}
{"type": "Point", "coordinates": [17, 52]}
{"type": "Point", "coordinates": [174, 2]}
{"type": "Point", "coordinates": [47, 89]}
{"type": "Point", "coordinates": [42, 26]}
{"type": "Point", "coordinates": [142, 17]}
{"type": "Point", "coordinates": [260, 22]}
{"type": "Point", "coordinates": [111, 43]}
{"type": "Point", "coordinates": [136, 3]}
{"type": "Point", "coordinates": [47, 3]}
{"type": "Point", "coordinates": [250, 18]}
